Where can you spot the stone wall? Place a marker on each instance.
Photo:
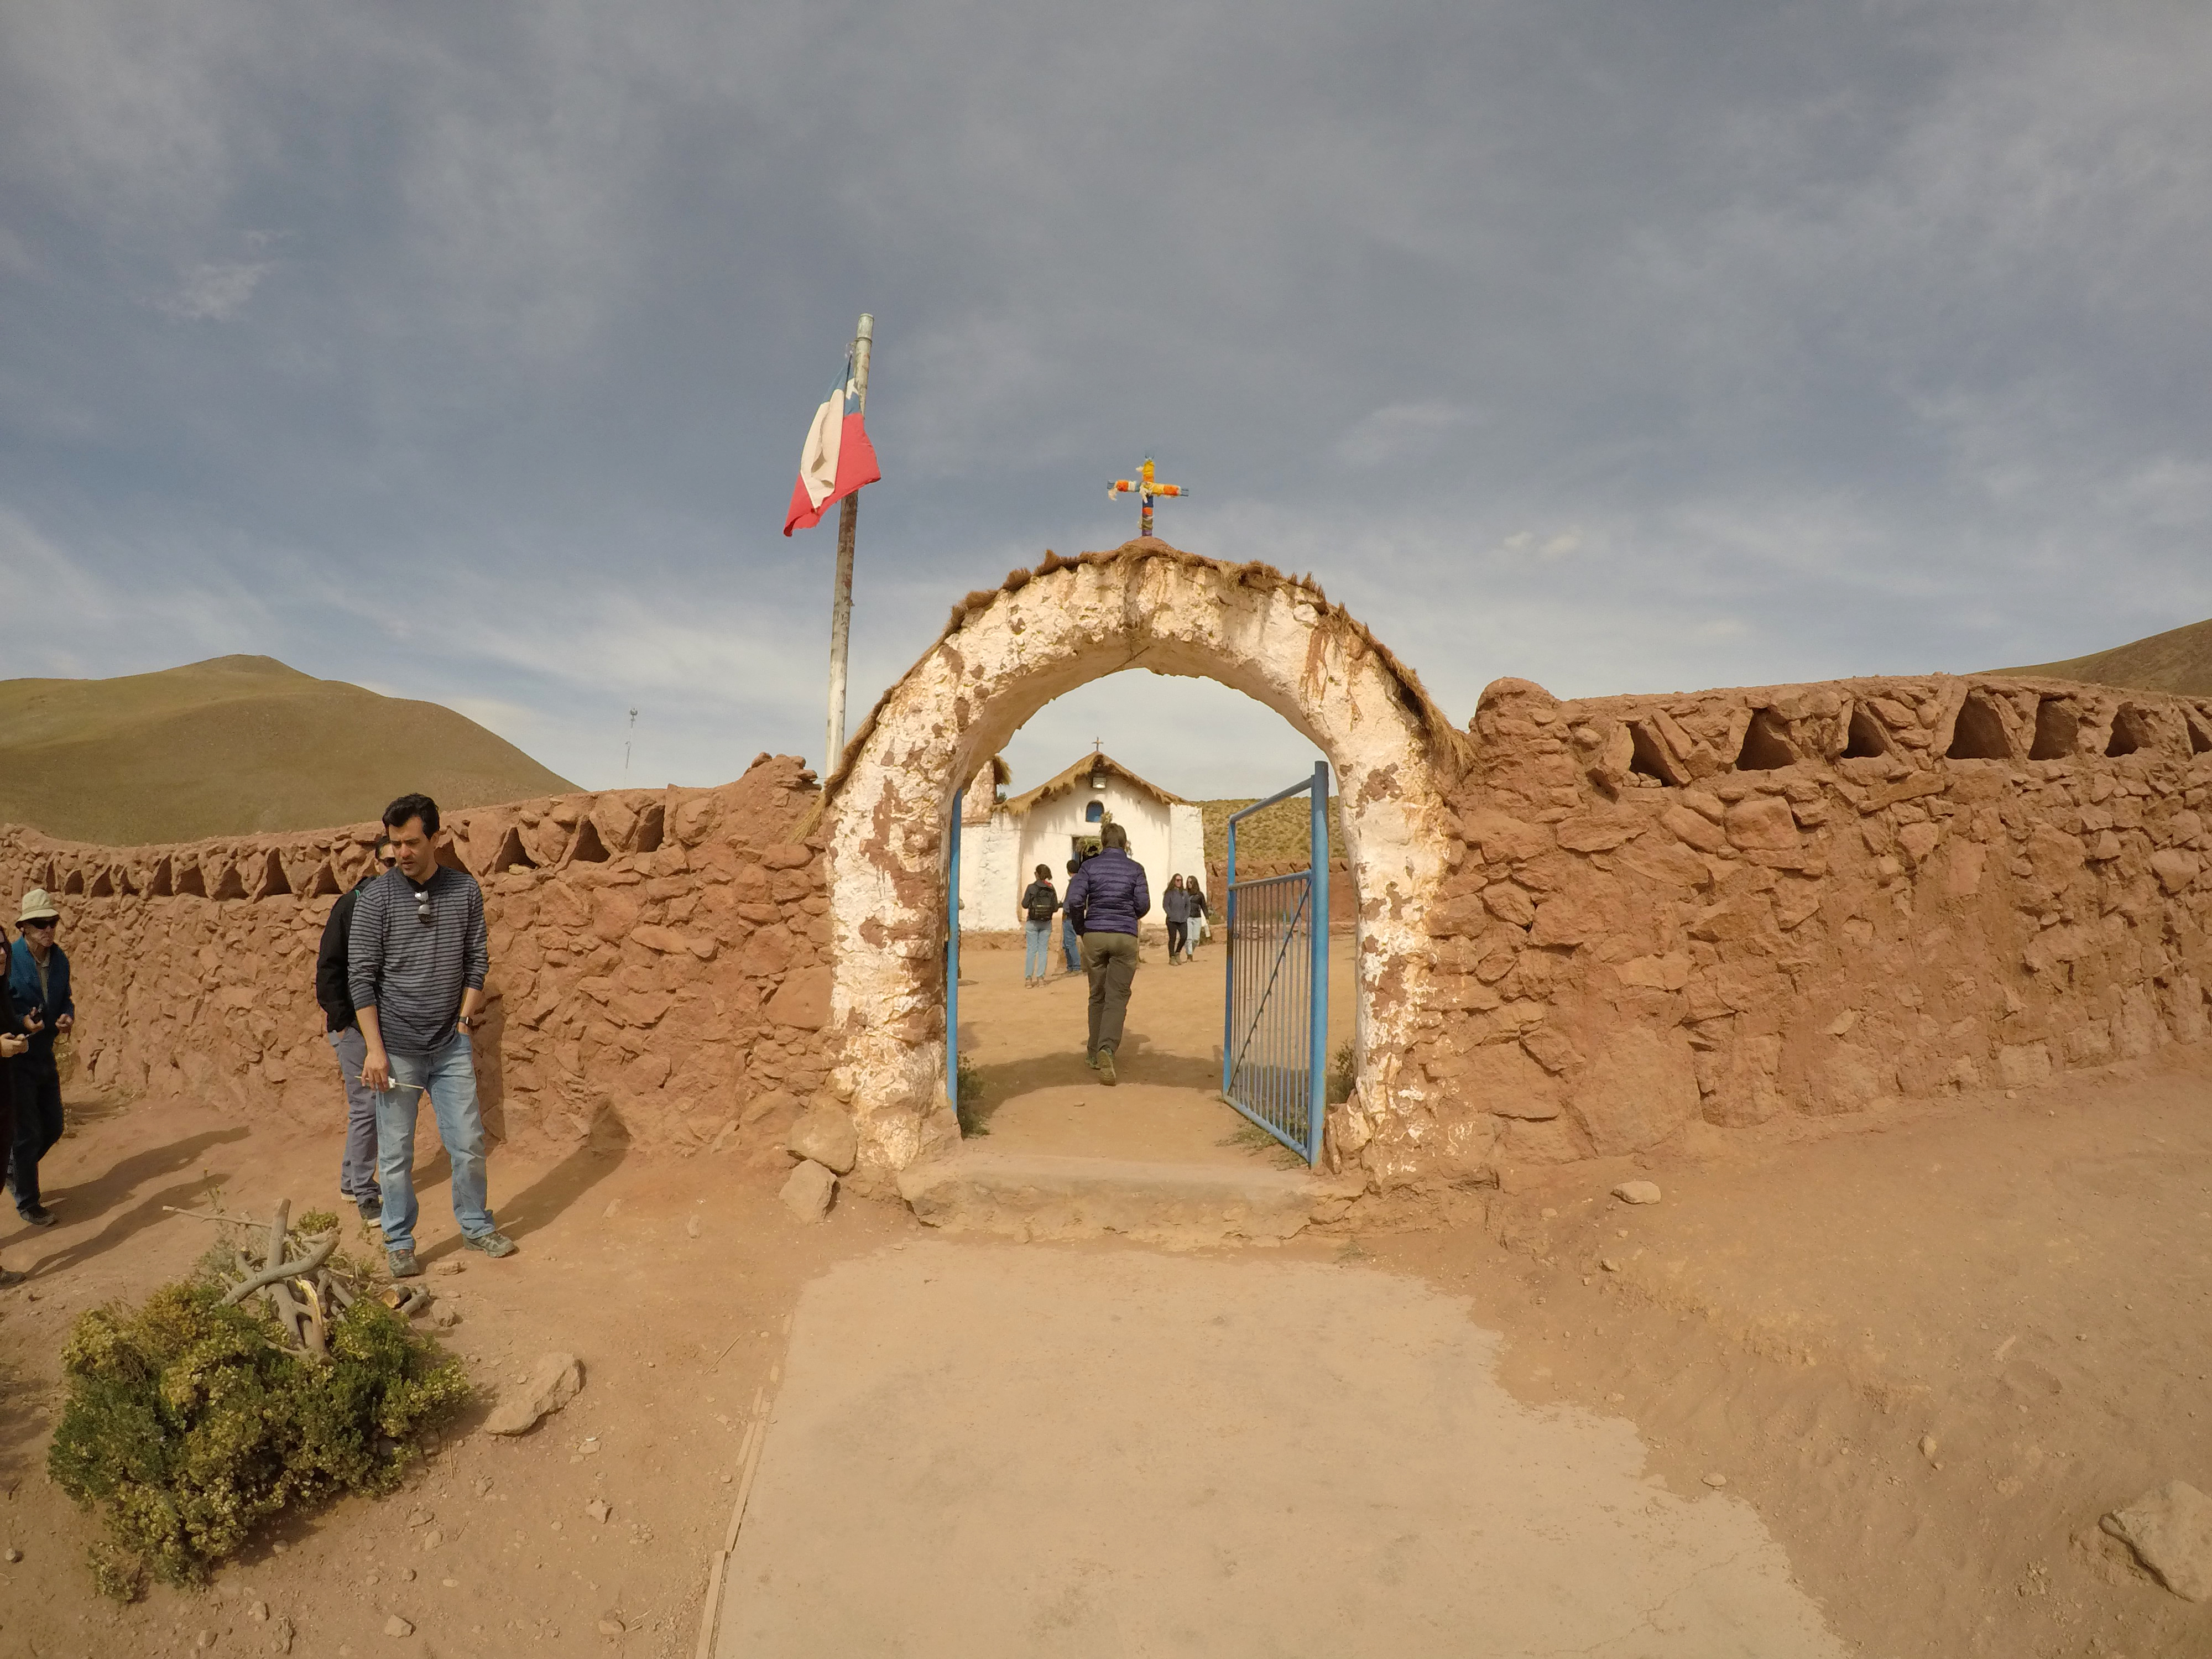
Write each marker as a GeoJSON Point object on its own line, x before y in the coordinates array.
{"type": "Point", "coordinates": [1585, 927]}
{"type": "Point", "coordinates": [659, 967]}
{"type": "Point", "coordinates": [1724, 906]}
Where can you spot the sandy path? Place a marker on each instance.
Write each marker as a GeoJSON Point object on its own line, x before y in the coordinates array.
{"type": "Point", "coordinates": [985, 1449]}
{"type": "Point", "coordinates": [1038, 1096]}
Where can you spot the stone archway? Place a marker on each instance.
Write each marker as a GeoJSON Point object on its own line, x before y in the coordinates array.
{"type": "Point", "coordinates": [1008, 652]}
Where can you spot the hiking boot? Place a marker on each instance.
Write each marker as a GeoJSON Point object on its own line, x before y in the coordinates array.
{"type": "Point", "coordinates": [1106, 1067]}
{"type": "Point", "coordinates": [9, 1276]}
{"type": "Point", "coordinates": [371, 1208]}
{"type": "Point", "coordinates": [491, 1244]}
{"type": "Point", "coordinates": [38, 1216]}
{"type": "Point", "coordinates": [404, 1264]}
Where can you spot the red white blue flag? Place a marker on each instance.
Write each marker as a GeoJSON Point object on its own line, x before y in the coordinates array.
{"type": "Point", "coordinates": [838, 458]}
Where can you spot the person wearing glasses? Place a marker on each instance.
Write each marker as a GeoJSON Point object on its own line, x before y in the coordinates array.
{"type": "Point", "coordinates": [38, 986]}
{"type": "Point", "coordinates": [342, 1030]}
{"type": "Point", "coordinates": [417, 955]}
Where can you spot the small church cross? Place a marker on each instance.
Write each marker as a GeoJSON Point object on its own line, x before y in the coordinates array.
{"type": "Point", "coordinates": [1144, 487]}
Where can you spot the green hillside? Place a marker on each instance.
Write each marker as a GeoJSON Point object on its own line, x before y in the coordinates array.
{"type": "Point", "coordinates": [233, 745]}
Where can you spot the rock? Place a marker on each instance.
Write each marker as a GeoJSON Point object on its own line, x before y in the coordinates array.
{"type": "Point", "coordinates": [1609, 1265]}
{"type": "Point", "coordinates": [1637, 1191]}
{"type": "Point", "coordinates": [431, 1540]}
{"type": "Point", "coordinates": [808, 1193]}
{"type": "Point", "coordinates": [2170, 1530]}
{"type": "Point", "coordinates": [828, 1138]}
{"type": "Point", "coordinates": [1764, 822]}
{"type": "Point", "coordinates": [1715, 1480]}
{"type": "Point", "coordinates": [455, 1266]}
{"type": "Point", "coordinates": [280, 1635]}
{"type": "Point", "coordinates": [205, 1639]}
{"type": "Point", "coordinates": [396, 1625]}
{"type": "Point", "coordinates": [599, 1509]}
{"type": "Point", "coordinates": [259, 1613]}
{"type": "Point", "coordinates": [691, 1226]}
{"type": "Point", "coordinates": [444, 1315]}
{"type": "Point", "coordinates": [15, 1556]}
{"type": "Point", "coordinates": [553, 1382]}
{"type": "Point", "coordinates": [421, 1518]}
{"type": "Point", "coordinates": [1928, 1447]}
{"type": "Point", "coordinates": [611, 1626]}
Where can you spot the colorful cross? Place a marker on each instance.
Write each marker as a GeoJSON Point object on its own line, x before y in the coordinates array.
{"type": "Point", "coordinates": [1144, 487]}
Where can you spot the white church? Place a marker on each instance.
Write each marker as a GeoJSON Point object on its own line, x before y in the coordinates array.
{"type": "Point", "coordinates": [1003, 841]}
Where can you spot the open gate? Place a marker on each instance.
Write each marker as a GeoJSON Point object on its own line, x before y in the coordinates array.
{"type": "Point", "coordinates": [1274, 1058]}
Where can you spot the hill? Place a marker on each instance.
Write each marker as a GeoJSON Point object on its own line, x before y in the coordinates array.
{"type": "Point", "coordinates": [233, 745]}
{"type": "Point", "coordinates": [1283, 831]}
{"type": "Point", "coordinates": [2178, 661]}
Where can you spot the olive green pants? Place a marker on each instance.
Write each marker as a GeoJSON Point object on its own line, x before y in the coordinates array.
{"type": "Point", "coordinates": [1111, 961]}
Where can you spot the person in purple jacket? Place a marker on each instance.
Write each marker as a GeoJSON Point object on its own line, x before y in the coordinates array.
{"type": "Point", "coordinates": [1109, 894]}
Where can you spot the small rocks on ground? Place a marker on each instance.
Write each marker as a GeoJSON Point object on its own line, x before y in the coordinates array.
{"type": "Point", "coordinates": [1928, 1447]}
{"type": "Point", "coordinates": [421, 1517]}
{"type": "Point", "coordinates": [2170, 1530]}
{"type": "Point", "coordinates": [455, 1266]}
{"type": "Point", "coordinates": [1609, 1264]}
{"type": "Point", "coordinates": [15, 1555]}
{"type": "Point", "coordinates": [1637, 1191]}
{"type": "Point", "coordinates": [808, 1193]}
{"type": "Point", "coordinates": [599, 1509]}
{"type": "Point", "coordinates": [396, 1625]}
{"type": "Point", "coordinates": [1716, 1480]}
{"type": "Point", "coordinates": [553, 1381]}
{"type": "Point", "coordinates": [613, 1624]}
{"type": "Point", "coordinates": [691, 1226]}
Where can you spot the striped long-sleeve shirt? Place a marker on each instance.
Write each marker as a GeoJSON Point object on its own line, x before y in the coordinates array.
{"type": "Point", "coordinates": [412, 971]}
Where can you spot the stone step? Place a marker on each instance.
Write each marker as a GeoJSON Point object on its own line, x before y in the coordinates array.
{"type": "Point", "coordinates": [1034, 1196]}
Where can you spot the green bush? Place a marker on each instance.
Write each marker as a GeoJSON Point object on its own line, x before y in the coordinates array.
{"type": "Point", "coordinates": [187, 1425]}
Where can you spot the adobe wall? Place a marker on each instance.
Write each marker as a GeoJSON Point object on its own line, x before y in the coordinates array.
{"type": "Point", "coordinates": [1585, 927]}
{"type": "Point", "coordinates": [1728, 905]}
{"type": "Point", "coordinates": [659, 974]}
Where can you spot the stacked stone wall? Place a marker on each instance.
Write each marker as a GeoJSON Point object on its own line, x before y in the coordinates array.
{"type": "Point", "coordinates": [1726, 906]}
{"type": "Point", "coordinates": [660, 962]}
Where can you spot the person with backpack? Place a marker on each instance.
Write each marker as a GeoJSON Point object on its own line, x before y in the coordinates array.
{"type": "Point", "coordinates": [1040, 903]}
{"type": "Point", "coordinates": [342, 1030]}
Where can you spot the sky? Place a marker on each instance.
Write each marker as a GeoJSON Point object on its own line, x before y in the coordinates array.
{"type": "Point", "coordinates": [466, 350]}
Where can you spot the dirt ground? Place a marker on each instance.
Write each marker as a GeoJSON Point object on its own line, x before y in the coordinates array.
{"type": "Point", "coordinates": [2024, 1282]}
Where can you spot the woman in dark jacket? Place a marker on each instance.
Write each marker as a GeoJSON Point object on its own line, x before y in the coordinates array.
{"type": "Point", "coordinates": [1174, 905]}
{"type": "Point", "coordinates": [14, 1040]}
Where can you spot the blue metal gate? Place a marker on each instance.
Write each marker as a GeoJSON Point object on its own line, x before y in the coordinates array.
{"type": "Point", "coordinates": [953, 959]}
{"type": "Point", "coordinates": [1275, 1044]}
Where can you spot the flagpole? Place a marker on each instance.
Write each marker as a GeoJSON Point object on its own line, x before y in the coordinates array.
{"type": "Point", "coordinates": [841, 602]}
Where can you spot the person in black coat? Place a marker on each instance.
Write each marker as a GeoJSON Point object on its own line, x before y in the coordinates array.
{"type": "Point", "coordinates": [342, 1030]}
{"type": "Point", "coordinates": [14, 1039]}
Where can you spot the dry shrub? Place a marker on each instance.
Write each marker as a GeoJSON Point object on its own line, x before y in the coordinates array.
{"type": "Point", "coordinates": [188, 1426]}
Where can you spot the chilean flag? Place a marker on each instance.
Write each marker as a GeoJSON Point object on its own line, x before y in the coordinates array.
{"type": "Point", "coordinates": [838, 458]}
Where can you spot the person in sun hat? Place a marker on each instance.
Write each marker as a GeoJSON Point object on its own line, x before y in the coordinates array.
{"type": "Point", "coordinates": [14, 1042]}
{"type": "Point", "coordinates": [39, 985]}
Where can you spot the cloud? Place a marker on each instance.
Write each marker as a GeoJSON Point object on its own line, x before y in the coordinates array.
{"type": "Point", "coordinates": [213, 293]}
{"type": "Point", "coordinates": [1545, 335]}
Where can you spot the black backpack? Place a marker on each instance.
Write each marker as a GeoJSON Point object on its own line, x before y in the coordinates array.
{"type": "Point", "coordinates": [1042, 902]}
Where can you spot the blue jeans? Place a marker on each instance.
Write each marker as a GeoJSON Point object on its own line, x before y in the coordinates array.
{"type": "Point", "coordinates": [1036, 949]}
{"type": "Point", "coordinates": [450, 1075]}
{"type": "Point", "coordinates": [1069, 944]}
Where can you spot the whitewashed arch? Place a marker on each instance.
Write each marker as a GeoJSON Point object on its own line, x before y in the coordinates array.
{"type": "Point", "coordinates": [1008, 653]}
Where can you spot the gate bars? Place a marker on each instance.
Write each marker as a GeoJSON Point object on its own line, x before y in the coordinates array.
{"type": "Point", "coordinates": [1274, 1039]}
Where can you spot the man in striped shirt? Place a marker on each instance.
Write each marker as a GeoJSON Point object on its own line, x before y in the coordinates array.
{"type": "Point", "coordinates": [415, 962]}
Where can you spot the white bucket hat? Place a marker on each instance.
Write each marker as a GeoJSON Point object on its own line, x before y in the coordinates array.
{"type": "Point", "coordinates": [37, 907]}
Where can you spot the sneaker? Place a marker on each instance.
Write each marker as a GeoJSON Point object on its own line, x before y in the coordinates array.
{"type": "Point", "coordinates": [492, 1244]}
{"type": "Point", "coordinates": [38, 1216]}
{"type": "Point", "coordinates": [9, 1276]}
{"type": "Point", "coordinates": [404, 1264]}
{"type": "Point", "coordinates": [1106, 1067]}
{"type": "Point", "coordinates": [371, 1208]}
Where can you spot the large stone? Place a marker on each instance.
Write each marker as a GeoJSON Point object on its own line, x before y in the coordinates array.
{"type": "Point", "coordinates": [1641, 1089]}
{"type": "Point", "coordinates": [1763, 821]}
{"type": "Point", "coordinates": [808, 1193]}
{"type": "Point", "coordinates": [802, 1000]}
{"type": "Point", "coordinates": [554, 1381]}
{"type": "Point", "coordinates": [828, 1138]}
{"type": "Point", "coordinates": [2170, 1530]}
